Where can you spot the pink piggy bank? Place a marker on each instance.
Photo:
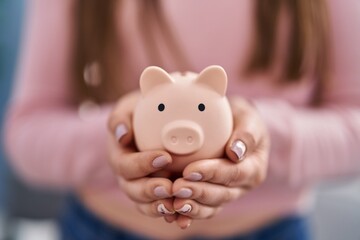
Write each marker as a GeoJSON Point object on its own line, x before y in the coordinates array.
{"type": "Point", "coordinates": [187, 115]}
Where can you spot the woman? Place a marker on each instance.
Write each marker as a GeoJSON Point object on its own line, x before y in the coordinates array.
{"type": "Point", "coordinates": [294, 60]}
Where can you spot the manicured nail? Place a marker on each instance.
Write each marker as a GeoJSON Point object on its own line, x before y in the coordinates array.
{"type": "Point", "coordinates": [163, 210]}
{"type": "Point", "coordinates": [161, 192]}
{"type": "Point", "coordinates": [185, 209]}
{"type": "Point", "coordinates": [183, 193]}
{"type": "Point", "coordinates": [194, 176]}
{"type": "Point", "coordinates": [239, 148]}
{"type": "Point", "coordinates": [120, 131]}
{"type": "Point", "coordinates": [159, 162]}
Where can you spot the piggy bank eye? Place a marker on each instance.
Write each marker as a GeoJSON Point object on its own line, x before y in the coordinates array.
{"type": "Point", "coordinates": [161, 107]}
{"type": "Point", "coordinates": [201, 107]}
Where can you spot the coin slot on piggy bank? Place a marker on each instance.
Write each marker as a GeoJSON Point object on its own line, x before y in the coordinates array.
{"type": "Point", "coordinates": [185, 114]}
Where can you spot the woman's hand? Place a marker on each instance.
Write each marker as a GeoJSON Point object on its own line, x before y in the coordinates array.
{"type": "Point", "coordinates": [152, 195]}
{"type": "Point", "coordinates": [208, 184]}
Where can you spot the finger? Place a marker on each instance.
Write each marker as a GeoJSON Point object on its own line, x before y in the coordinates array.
{"type": "Point", "coordinates": [249, 131]}
{"type": "Point", "coordinates": [206, 193]}
{"type": "Point", "coordinates": [120, 126]}
{"type": "Point", "coordinates": [193, 209]}
{"type": "Point", "coordinates": [159, 208]}
{"type": "Point", "coordinates": [120, 120]}
{"type": "Point", "coordinates": [241, 142]}
{"type": "Point", "coordinates": [171, 218]}
{"type": "Point", "coordinates": [139, 164]}
{"type": "Point", "coordinates": [239, 145]}
{"type": "Point", "coordinates": [146, 190]}
{"type": "Point", "coordinates": [223, 172]}
{"type": "Point", "coordinates": [183, 221]}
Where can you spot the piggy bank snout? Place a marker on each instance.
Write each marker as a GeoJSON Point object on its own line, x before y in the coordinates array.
{"type": "Point", "coordinates": [182, 137]}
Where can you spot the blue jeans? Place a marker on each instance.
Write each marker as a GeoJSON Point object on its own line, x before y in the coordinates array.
{"type": "Point", "coordinates": [78, 223]}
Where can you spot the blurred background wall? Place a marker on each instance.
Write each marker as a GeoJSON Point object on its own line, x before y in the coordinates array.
{"type": "Point", "coordinates": [336, 214]}
{"type": "Point", "coordinates": [11, 12]}
{"type": "Point", "coordinates": [23, 209]}
{"type": "Point", "coordinates": [27, 213]}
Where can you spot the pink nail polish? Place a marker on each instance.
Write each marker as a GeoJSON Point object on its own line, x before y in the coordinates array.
{"type": "Point", "coordinates": [194, 176]}
{"type": "Point", "coordinates": [239, 148]}
{"type": "Point", "coordinates": [185, 209]}
{"type": "Point", "coordinates": [184, 193]}
{"type": "Point", "coordinates": [120, 131]}
{"type": "Point", "coordinates": [161, 192]}
{"type": "Point", "coordinates": [163, 210]}
{"type": "Point", "coordinates": [159, 162]}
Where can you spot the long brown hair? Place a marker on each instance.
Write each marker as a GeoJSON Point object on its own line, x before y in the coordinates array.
{"type": "Point", "coordinates": [309, 37]}
{"type": "Point", "coordinates": [98, 41]}
{"type": "Point", "coordinates": [94, 42]}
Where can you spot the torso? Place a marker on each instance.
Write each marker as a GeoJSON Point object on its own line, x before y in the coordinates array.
{"type": "Point", "coordinates": [215, 39]}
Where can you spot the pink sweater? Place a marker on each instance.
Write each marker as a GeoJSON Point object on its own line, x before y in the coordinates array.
{"type": "Point", "coordinates": [49, 143]}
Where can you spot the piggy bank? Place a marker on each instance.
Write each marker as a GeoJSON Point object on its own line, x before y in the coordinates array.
{"type": "Point", "coordinates": [185, 114]}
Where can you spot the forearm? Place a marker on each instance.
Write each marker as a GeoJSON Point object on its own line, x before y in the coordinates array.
{"type": "Point", "coordinates": [56, 147]}
{"type": "Point", "coordinates": [311, 144]}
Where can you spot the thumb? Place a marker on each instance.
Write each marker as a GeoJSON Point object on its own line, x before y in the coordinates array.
{"type": "Point", "coordinates": [248, 131]}
{"type": "Point", "coordinates": [120, 120]}
{"type": "Point", "coordinates": [240, 144]}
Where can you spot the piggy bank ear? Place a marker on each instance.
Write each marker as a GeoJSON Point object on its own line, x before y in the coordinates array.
{"type": "Point", "coordinates": [215, 78]}
{"type": "Point", "coordinates": [153, 76]}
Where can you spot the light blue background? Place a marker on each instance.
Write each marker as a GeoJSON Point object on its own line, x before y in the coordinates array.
{"type": "Point", "coordinates": [11, 15]}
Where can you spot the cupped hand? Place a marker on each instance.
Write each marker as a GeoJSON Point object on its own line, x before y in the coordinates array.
{"type": "Point", "coordinates": [152, 195]}
{"type": "Point", "coordinates": [210, 183]}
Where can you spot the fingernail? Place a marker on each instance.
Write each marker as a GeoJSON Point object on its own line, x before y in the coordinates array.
{"type": "Point", "coordinates": [163, 210]}
{"type": "Point", "coordinates": [194, 176]}
{"type": "Point", "coordinates": [161, 192]}
{"type": "Point", "coordinates": [120, 131]}
{"type": "Point", "coordinates": [185, 209]}
{"type": "Point", "coordinates": [184, 193]}
{"type": "Point", "coordinates": [159, 162]}
{"type": "Point", "coordinates": [239, 148]}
